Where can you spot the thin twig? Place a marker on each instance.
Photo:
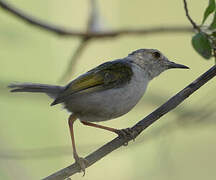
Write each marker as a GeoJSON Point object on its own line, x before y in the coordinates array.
{"type": "Point", "coordinates": [196, 27]}
{"type": "Point", "coordinates": [92, 26]}
{"type": "Point", "coordinates": [102, 34]}
{"type": "Point", "coordinates": [94, 23]}
{"type": "Point", "coordinates": [189, 18]}
{"type": "Point", "coordinates": [68, 73]}
{"type": "Point", "coordinates": [139, 127]}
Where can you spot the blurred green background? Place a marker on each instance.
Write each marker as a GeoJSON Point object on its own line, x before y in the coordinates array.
{"type": "Point", "coordinates": [34, 137]}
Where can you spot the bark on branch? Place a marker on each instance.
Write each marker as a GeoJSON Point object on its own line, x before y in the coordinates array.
{"type": "Point", "coordinates": [75, 33]}
{"type": "Point", "coordinates": [139, 127]}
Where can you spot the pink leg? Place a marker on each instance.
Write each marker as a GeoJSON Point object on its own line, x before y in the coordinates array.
{"type": "Point", "coordinates": [81, 161]}
{"type": "Point", "coordinates": [100, 126]}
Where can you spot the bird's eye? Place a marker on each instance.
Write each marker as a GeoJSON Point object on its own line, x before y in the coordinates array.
{"type": "Point", "coordinates": [156, 54]}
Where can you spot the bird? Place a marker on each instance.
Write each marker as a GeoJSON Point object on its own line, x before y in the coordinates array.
{"type": "Point", "coordinates": [105, 92]}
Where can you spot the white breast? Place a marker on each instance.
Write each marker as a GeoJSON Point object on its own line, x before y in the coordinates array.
{"type": "Point", "coordinates": [112, 103]}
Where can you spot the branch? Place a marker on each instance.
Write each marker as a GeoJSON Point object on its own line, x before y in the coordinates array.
{"type": "Point", "coordinates": [188, 16]}
{"type": "Point", "coordinates": [202, 115]}
{"type": "Point", "coordinates": [102, 34]}
{"type": "Point", "coordinates": [139, 127]}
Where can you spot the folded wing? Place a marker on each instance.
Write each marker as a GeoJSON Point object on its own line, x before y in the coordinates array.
{"type": "Point", "coordinates": [112, 74]}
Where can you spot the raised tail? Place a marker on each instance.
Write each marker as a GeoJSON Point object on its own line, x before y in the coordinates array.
{"type": "Point", "coordinates": [50, 90]}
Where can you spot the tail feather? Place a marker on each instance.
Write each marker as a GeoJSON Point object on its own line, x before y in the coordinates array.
{"type": "Point", "coordinates": [50, 90]}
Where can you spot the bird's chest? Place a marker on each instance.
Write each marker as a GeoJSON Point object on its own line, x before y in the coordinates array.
{"type": "Point", "coordinates": [122, 100]}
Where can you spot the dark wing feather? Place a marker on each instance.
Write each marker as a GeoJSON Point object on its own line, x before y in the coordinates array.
{"type": "Point", "coordinates": [112, 74]}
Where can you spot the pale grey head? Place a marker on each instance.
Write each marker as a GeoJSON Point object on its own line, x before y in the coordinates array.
{"type": "Point", "coordinates": [153, 61]}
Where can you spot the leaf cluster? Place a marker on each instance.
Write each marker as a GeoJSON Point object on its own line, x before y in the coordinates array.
{"type": "Point", "coordinates": [204, 41]}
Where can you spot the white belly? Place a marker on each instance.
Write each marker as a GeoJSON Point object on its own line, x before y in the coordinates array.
{"type": "Point", "coordinates": [111, 103]}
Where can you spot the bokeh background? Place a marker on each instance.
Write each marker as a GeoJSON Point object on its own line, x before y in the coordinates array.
{"type": "Point", "coordinates": [34, 137]}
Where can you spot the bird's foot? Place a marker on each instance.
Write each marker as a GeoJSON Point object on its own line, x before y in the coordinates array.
{"type": "Point", "coordinates": [82, 163]}
{"type": "Point", "coordinates": [127, 133]}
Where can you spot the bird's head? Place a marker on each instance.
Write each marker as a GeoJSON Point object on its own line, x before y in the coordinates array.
{"type": "Point", "coordinates": [153, 61]}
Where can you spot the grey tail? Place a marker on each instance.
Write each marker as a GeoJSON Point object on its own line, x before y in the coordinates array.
{"type": "Point", "coordinates": [50, 90]}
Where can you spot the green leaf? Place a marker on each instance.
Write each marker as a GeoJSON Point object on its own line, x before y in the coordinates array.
{"type": "Point", "coordinates": [213, 24]}
{"type": "Point", "coordinates": [202, 45]}
{"type": "Point", "coordinates": [210, 9]}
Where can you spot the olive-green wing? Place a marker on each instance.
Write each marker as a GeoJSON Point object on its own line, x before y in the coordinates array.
{"type": "Point", "coordinates": [108, 75]}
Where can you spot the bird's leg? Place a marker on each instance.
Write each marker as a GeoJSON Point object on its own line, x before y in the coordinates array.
{"type": "Point", "coordinates": [121, 132]}
{"type": "Point", "coordinates": [81, 161]}
{"type": "Point", "coordinates": [100, 126]}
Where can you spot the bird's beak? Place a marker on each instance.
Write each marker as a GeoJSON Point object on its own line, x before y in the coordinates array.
{"type": "Point", "coordinates": [175, 65]}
